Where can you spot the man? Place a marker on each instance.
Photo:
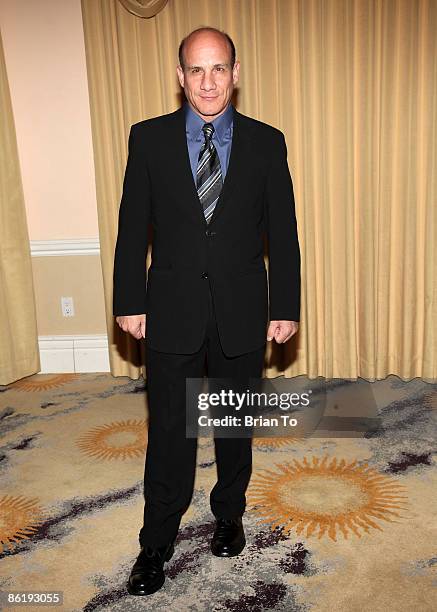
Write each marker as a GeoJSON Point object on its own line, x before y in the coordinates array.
{"type": "Point", "coordinates": [212, 182]}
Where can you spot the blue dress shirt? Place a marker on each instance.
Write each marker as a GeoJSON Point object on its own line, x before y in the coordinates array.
{"type": "Point", "coordinates": [222, 137]}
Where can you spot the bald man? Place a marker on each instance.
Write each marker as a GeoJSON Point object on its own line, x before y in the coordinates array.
{"type": "Point", "coordinates": [212, 183]}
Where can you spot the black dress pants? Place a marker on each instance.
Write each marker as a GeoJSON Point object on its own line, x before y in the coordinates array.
{"type": "Point", "coordinates": [171, 456]}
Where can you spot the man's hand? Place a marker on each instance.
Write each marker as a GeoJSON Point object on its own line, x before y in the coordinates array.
{"type": "Point", "coordinates": [134, 324]}
{"type": "Point", "coordinates": [282, 331]}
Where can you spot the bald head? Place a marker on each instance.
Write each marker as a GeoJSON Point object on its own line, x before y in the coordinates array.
{"type": "Point", "coordinates": [214, 32]}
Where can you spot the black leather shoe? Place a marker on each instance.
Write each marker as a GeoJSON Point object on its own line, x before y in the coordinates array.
{"type": "Point", "coordinates": [147, 575]}
{"type": "Point", "coordinates": [228, 539]}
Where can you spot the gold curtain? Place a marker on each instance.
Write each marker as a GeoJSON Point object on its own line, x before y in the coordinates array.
{"type": "Point", "coordinates": [19, 354]}
{"type": "Point", "coordinates": [353, 85]}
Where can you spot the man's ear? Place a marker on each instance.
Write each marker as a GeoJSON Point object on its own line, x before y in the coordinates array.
{"type": "Point", "coordinates": [181, 76]}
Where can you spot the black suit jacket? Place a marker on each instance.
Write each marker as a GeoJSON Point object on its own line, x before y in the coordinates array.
{"type": "Point", "coordinates": [187, 253]}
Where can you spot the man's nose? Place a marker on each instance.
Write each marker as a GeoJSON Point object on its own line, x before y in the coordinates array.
{"type": "Point", "coordinates": [208, 82]}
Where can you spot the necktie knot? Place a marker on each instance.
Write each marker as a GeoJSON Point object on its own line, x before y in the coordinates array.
{"type": "Point", "coordinates": [208, 130]}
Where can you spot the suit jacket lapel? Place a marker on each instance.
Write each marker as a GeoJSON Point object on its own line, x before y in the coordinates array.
{"type": "Point", "coordinates": [239, 155]}
{"type": "Point", "coordinates": [185, 183]}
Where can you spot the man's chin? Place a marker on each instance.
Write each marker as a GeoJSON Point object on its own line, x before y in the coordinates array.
{"type": "Point", "coordinates": [210, 110]}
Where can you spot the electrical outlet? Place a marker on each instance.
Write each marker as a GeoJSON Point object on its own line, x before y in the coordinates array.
{"type": "Point", "coordinates": [67, 306]}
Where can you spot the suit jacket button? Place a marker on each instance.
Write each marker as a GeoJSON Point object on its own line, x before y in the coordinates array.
{"type": "Point", "coordinates": [205, 275]}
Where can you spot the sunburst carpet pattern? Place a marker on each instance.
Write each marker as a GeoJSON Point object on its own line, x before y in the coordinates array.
{"type": "Point", "coordinates": [333, 523]}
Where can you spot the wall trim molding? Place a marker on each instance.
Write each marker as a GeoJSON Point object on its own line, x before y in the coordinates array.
{"type": "Point", "coordinates": [74, 353]}
{"type": "Point", "coordinates": [66, 246]}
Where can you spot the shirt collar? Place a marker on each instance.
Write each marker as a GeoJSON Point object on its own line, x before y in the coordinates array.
{"type": "Point", "coordinates": [222, 124]}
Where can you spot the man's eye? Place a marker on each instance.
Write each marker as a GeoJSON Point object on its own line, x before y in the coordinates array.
{"type": "Point", "coordinates": [193, 70]}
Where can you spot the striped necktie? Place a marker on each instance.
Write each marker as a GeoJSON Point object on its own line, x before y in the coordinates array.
{"type": "Point", "coordinates": [209, 175]}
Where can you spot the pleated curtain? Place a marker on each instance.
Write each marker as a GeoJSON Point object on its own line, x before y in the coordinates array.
{"type": "Point", "coordinates": [352, 83]}
{"type": "Point", "coordinates": [19, 353]}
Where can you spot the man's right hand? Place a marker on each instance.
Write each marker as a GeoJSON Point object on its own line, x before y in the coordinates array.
{"type": "Point", "coordinates": [134, 324]}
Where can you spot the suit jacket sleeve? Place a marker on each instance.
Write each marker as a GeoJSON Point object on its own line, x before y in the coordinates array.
{"type": "Point", "coordinates": [283, 243]}
{"type": "Point", "coordinates": [130, 277]}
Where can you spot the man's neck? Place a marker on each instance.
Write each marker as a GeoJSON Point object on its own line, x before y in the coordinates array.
{"type": "Point", "coordinates": [209, 118]}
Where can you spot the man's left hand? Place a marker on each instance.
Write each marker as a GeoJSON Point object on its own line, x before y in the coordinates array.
{"type": "Point", "coordinates": [282, 331]}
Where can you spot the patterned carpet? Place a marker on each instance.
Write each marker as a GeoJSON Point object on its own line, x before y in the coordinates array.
{"type": "Point", "coordinates": [345, 523]}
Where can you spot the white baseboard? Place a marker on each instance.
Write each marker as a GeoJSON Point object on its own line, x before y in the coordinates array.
{"type": "Point", "coordinates": [67, 246]}
{"type": "Point", "coordinates": [81, 353]}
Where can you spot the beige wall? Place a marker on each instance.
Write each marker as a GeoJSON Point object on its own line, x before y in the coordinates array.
{"type": "Point", "coordinates": [45, 59]}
